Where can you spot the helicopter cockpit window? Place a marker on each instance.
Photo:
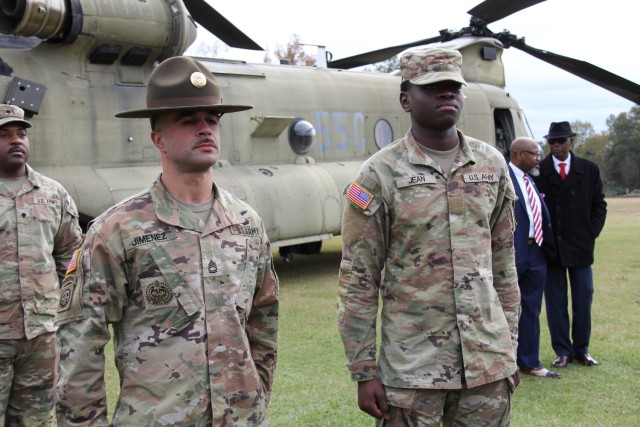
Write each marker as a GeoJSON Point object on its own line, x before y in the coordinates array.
{"type": "Point", "coordinates": [301, 136]}
{"type": "Point", "coordinates": [382, 133]}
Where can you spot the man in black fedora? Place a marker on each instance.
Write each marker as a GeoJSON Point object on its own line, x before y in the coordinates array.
{"type": "Point", "coordinates": [573, 192]}
{"type": "Point", "coordinates": [182, 274]}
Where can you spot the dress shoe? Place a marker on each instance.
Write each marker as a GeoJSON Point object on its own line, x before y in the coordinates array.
{"type": "Point", "coordinates": [585, 359]}
{"type": "Point", "coordinates": [540, 371]}
{"type": "Point", "coordinates": [562, 361]}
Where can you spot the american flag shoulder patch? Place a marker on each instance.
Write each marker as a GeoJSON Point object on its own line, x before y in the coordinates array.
{"type": "Point", "coordinates": [359, 196]}
{"type": "Point", "coordinates": [73, 264]}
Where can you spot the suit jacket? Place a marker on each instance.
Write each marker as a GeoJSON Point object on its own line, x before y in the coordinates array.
{"type": "Point", "coordinates": [521, 235]}
{"type": "Point", "coordinates": [577, 207]}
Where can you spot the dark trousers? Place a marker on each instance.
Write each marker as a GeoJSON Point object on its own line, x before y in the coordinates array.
{"type": "Point", "coordinates": [531, 281]}
{"type": "Point", "coordinates": [581, 279]}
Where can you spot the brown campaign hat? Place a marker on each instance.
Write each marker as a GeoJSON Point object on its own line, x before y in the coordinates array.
{"type": "Point", "coordinates": [12, 113]}
{"type": "Point", "coordinates": [182, 83]}
{"type": "Point", "coordinates": [427, 65]}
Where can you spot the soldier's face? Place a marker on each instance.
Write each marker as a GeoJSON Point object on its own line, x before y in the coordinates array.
{"type": "Point", "coordinates": [189, 141]}
{"type": "Point", "coordinates": [434, 106]}
{"type": "Point", "coordinates": [14, 150]}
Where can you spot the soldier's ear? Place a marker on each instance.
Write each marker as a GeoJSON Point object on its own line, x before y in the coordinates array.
{"type": "Point", "coordinates": [158, 140]}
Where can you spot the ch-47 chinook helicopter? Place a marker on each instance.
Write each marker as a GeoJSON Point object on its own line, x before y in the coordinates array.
{"type": "Point", "coordinates": [72, 64]}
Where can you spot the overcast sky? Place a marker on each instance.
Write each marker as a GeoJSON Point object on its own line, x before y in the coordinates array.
{"type": "Point", "coordinates": [604, 33]}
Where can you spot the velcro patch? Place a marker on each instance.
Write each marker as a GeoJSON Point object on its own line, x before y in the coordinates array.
{"type": "Point", "coordinates": [66, 293]}
{"type": "Point", "coordinates": [245, 230]}
{"type": "Point", "coordinates": [157, 293]}
{"type": "Point", "coordinates": [415, 180]}
{"type": "Point", "coordinates": [481, 177]}
{"type": "Point", "coordinates": [73, 264]}
{"type": "Point", "coordinates": [359, 196]}
{"type": "Point", "coordinates": [132, 242]}
{"type": "Point", "coordinates": [456, 205]}
{"type": "Point", "coordinates": [46, 201]}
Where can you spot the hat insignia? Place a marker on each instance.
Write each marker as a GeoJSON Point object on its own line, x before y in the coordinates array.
{"type": "Point", "coordinates": [198, 79]}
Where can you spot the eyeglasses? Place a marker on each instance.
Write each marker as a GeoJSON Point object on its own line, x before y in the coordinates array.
{"type": "Point", "coordinates": [533, 153]}
{"type": "Point", "coordinates": [557, 141]}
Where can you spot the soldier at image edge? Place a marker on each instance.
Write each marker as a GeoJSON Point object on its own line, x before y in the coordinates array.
{"type": "Point", "coordinates": [428, 233]}
{"type": "Point", "coordinates": [183, 274]}
{"type": "Point", "coordinates": [39, 232]}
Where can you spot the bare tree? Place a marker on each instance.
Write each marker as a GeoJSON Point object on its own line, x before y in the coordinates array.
{"type": "Point", "coordinates": [292, 52]}
{"type": "Point", "coordinates": [205, 49]}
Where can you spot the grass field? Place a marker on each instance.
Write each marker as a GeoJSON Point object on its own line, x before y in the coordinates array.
{"type": "Point", "coordinates": [312, 385]}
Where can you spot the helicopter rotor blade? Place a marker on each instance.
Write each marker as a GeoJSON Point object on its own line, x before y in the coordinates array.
{"type": "Point", "coordinates": [219, 26]}
{"type": "Point", "coordinates": [494, 10]}
{"type": "Point", "coordinates": [596, 75]}
{"type": "Point", "coordinates": [379, 55]}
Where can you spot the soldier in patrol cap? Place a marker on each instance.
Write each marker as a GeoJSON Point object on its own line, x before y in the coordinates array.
{"type": "Point", "coordinates": [39, 231]}
{"type": "Point", "coordinates": [428, 231]}
{"type": "Point", "coordinates": [183, 274]}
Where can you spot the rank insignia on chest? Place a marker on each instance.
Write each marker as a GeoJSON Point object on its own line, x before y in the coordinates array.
{"type": "Point", "coordinates": [212, 267]}
{"type": "Point", "coordinates": [359, 196]}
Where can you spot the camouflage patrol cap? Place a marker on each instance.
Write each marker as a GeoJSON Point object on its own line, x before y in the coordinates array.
{"type": "Point", "coordinates": [12, 113]}
{"type": "Point", "coordinates": [427, 65]}
{"type": "Point", "coordinates": [182, 83]}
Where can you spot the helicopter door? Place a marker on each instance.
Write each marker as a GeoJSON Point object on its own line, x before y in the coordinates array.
{"type": "Point", "coordinates": [504, 130]}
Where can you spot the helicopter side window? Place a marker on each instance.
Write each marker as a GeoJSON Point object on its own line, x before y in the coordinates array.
{"type": "Point", "coordinates": [504, 130]}
{"type": "Point", "coordinates": [382, 133]}
{"type": "Point", "coordinates": [301, 136]}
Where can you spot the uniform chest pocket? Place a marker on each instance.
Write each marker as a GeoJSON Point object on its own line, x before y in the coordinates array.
{"type": "Point", "coordinates": [247, 287]}
{"type": "Point", "coordinates": [38, 223]}
{"type": "Point", "coordinates": [167, 297]}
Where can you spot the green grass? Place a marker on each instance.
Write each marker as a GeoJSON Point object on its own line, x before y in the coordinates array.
{"type": "Point", "coordinates": [312, 385]}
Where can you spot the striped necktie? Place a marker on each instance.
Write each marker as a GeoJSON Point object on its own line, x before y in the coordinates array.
{"type": "Point", "coordinates": [535, 210]}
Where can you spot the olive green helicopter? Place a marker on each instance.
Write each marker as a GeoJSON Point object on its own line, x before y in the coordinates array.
{"type": "Point", "coordinates": [72, 64]}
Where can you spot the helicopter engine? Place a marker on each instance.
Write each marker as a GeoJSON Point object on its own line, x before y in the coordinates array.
{"type": "Point", "coordinates": [132, 31]}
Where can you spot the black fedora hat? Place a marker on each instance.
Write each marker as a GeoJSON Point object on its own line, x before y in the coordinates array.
{"type": "Point", "coordinates": [559, 130]}
{"type": "Point", "coordinates": [182, 83]}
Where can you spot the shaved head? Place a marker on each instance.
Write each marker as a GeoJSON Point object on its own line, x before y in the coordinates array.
{"type": "Point", "coordinates": [523, 143]}
{"type": "Point", "coordinates": [524, 154]}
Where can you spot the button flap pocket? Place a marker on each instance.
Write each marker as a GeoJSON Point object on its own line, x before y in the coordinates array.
{"type": "Point", "coordinates": [184, 294]}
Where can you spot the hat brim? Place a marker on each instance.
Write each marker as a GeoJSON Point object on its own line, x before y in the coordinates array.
{"type": "Point", "coordinates": [441, 76]}
{"type": "Point", "coordinates": [559, 135]}
{"type": "Point", "coordinates": [7, 120]}
{"type": "Point", "coordinates": [148, 112]}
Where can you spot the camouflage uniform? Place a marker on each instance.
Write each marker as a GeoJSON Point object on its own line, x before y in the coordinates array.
{"type": "Point", "coordinates": [39, 231]}
{"type": "Point", "coordinates": [438, 252]}
{"type": "Point", "coordinates": [194, 313]}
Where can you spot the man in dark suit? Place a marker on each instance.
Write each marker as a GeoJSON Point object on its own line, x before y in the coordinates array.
{"type": "Point", "coordinates": [534, 242]}
{"type": "Point", "coordinates": [575, 198]}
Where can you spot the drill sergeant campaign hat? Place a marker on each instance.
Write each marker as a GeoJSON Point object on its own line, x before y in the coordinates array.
{"type": "Point", "coordinates": [428, 65]}
{"type": "Point", "coordinates": [12, 113]}
{"type": "Point", "coordinates": [182, 83]}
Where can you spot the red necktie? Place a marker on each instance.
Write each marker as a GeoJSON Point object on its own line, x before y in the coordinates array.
{"type": "Point", "coordinates": [535, 210]}
{"type": "Point", "coordinates": [563, 172]}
